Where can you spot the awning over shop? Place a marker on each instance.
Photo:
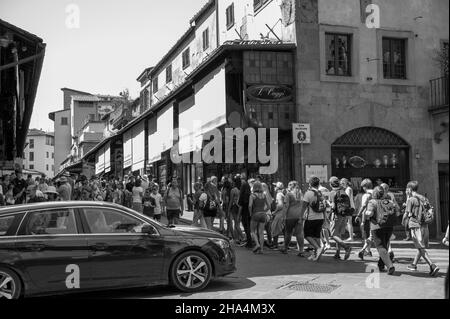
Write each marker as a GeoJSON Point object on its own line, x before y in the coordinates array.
{"type": "Point", "coordinates": [153, 154]}
{"type": "Point", "coordinates": [108, 157]}
{"type": "Point", "coordinates": [127, 149]}
{"type": "Point", "coordinates": [161, 140]}
{"type": "Point", "coordinates": [100, 161]}
{"type": "Point", "coordinates": [204, 112]}
{"type": "Point", "coordinates": [138, 147]}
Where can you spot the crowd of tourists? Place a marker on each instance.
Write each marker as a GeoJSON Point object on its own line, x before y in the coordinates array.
{"type": "Point", "coordinates": [315, 216]}
{"type": "Point", "coordinates": [254, 215]}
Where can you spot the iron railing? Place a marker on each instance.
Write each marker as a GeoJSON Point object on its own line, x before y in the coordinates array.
{"type": "Point", "coordinates": [439, 93]}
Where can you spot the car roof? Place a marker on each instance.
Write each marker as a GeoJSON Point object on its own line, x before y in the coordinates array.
{"type": "Point", "coordinates": [53, 205]}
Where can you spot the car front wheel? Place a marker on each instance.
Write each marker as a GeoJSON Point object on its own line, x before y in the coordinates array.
{"type": "Point", "coordinates": [10, 285]}
{"type": "Point", "coordinates": [191, 271]}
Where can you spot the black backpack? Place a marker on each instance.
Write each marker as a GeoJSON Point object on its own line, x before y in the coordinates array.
{"type": "Point", "coordinates": [343, 204]}
{"type": "Point", "coordinates": [210, 204]}
{"type": "Point", "coordinates": [426, 212]}
{"type": "Point", "coordinates": [319, 205]}
{"type": "Point", "coordinates": [386, 213]}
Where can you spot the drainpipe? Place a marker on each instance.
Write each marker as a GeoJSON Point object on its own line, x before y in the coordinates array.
{"type": "Point", "coordinates": [217, 24]}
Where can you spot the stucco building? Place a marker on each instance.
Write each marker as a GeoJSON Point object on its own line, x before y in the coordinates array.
{"type": "Point", "coordinates": [39, 153]}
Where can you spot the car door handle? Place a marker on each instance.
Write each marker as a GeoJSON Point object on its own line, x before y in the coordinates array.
{"type": "Point", "coordinates": [99, 247]}
{"type": "Point", "coordinates": [35, 247]}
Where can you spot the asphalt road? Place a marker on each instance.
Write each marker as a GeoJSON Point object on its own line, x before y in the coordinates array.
{"type": "Point", "coordinates": [277, 276]}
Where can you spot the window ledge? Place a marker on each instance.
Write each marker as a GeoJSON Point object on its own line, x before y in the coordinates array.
{"type": "Point", "coordinates": [406, 82]}
{"type": "Point", "coordinates": [231, 25]}
{"type": "Point", "coordinates": [338, 78]}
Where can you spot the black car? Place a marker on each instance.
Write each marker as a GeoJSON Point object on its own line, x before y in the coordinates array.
{"type": "Point", "coordinates": [64, 247]}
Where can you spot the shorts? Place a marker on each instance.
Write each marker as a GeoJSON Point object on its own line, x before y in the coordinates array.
{"type": "Point", "coordinates": [338, 226]}
{"type": "Point", "coordinates": [382, 237]}
{"type": "Point", "coordinates": [260, 217]}
{"type": "Point", "coordinates": [421, 237]}
{"type": "Point", "coordinates": [313, 228]}
{"type": "Point", "coordinates": [173, 213]}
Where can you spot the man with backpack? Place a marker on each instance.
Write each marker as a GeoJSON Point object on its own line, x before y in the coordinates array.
{"type": "Point", "coordinates": [341, 209]}
{"type": "Point", "coordinates": [420, 214]}
{"type": "Point", "coordinates": [367, 186]}
{"type": "Point", "coordinates": [314, 208]}
{"type": "Point", "coordinates": [381, 212]}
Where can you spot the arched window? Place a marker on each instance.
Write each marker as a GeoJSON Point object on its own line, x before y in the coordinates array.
{"type": "Point", "coordinates": [371, 152]}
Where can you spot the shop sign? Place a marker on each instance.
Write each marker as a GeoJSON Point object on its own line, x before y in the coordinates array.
{"type": "Point", "coordinates": [301, 133]}
{"type": "Point", "coordinates": [252, 42]}
{"type": "Point", "coordinates": [269, 93]}
{"type": "Point", "coordinates": [320, 171]}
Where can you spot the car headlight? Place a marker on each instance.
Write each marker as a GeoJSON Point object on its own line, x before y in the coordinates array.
{"type": "Point", "coordinates": [224, 244]}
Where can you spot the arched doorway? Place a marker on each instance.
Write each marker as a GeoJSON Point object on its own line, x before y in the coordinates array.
{"type": "Point", "coordinates": [371, 152]}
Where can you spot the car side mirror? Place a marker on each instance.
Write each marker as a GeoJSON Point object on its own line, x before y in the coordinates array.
{"type": "Point", "coordinates": [149, 230]}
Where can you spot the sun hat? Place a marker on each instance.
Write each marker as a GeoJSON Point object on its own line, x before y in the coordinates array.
{"type": "Point", "coordinates": [51, 190]}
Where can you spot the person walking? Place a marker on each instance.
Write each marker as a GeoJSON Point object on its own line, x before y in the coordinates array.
{"type": "Point", "coordinates": [220, 212]}
{"type": "Point", "coordinates": [244, 200]}
{"type": "Point", "coordinates": [225, 195]}
{"type": "Point", "coordinates": [233, 210]}
{"type": "Point", "coordinates": [326, 227]}
{"type": "Point", "coordinates": [382, 218]}
{"type": "Point", "coordinates": [390, 196]}
{"type": "Point", "coordinates": [267, 227]}
{"type": "Point", "coordinates": [294, 221]}
{"type": "Point", "coordinates": [209, 202]}
{"type": "Point", "coordinates": [278, 215]}
{"type": "Point", "coordinates": [174, 202]}
{"type": "Point", "coordinates": [314, 208]}
{"type": "Point", "coordinates": [367, 186]}
{"type": "Point", "coordinates": [417, 207]}
{"type": "Point", "coordinates": [258, 206]}
{"type": "Point", "coordinates": [65, 190]}
{"type": "Point", "coordinates": [405, 220]}
{"type": "Point", "coordinates": [158, 202]}
{"type": "Point", "coordinates": [345, 184]}
{"type": "Point", "coordinates": [148, 203]}
{"type": "Point", "coordinates": [199, 218]}
{"type": "Point", "coordinates": [341, 210]}
{"type": "Point", "coordinates": [52, 194]}
{"type": "Point", "coordinates": [137, 196]}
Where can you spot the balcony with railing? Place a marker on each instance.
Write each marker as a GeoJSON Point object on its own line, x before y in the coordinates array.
{"type": "Point", "coordinates": [439, 95]}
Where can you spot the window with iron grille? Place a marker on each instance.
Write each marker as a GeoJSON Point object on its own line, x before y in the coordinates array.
{"type": "Point", "coordinates": [31, 156]}
{"type": "Point", "coordinates": [338, 54]}
{"type": "Point", "coordinates": [186, 58]}
{"type": "Point", "coordinates": [155, 85]}
{"type": "Point", "coordinates": [169, 74]}
{"type": "Point", "coordinates": [394, 58]}
{"type": "Point", "coordinates": [230, 16]}
{"type": "Point", "coordinates": [31, 166]}
{"type": "Point", "coordinates": [206, 39]}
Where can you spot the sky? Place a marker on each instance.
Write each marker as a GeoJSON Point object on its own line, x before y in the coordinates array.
{"type": "Point", "coordinates": [102, 52]}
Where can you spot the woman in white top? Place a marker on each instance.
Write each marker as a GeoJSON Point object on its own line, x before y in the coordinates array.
{"type": "Point", "coordinates": [137, 195]}
{"type": "Point", "coordinates": [345, 184]}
